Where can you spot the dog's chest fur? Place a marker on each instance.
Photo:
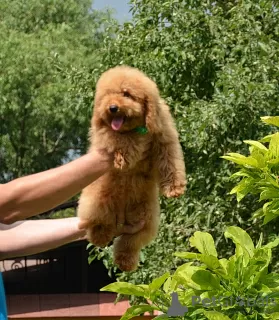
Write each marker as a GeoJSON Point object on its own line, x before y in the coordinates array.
{"type": "Point", "coordinates": [133, 182]}
{"type": "Point", "coordinates": [138, 152]}
{"type": "Point", "coordinates": [136, 149]}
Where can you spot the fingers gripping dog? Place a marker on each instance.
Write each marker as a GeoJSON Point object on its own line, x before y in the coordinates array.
{"type": "Point", "coordinates": [132, 121]}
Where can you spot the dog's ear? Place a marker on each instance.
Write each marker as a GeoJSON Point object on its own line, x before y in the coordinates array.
{"type": "Point", "coordinates": [152, 114]}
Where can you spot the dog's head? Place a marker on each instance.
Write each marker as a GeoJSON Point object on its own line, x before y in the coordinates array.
{"type": "Point", "coordinates": [126, 99]}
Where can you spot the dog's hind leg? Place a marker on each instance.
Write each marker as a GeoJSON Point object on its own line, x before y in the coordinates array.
{"type": "Point", "coordinates": [98, 218]}
{"type": "Point", "coordinates": [127, 247]}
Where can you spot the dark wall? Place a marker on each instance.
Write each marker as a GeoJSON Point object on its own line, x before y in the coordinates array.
{"type": "Point", "coordinates": [63, 270]}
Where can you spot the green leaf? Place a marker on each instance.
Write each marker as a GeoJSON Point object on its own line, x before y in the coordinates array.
{"type": "Point", "coordinates": [91, 258]}
{"type": "Point", "coordinates": [273, 162]}
{"type": "Point", "coordinates": [157, 283]}
{"type": "Point", "coordinates": [240, 238]}
{"type": "Point", "coordinates": [170, 285]}
{"type": "Point", "coordinates": [137, 311]}
{"type": "Point", "coordinates": [244, 161]}
{"type": "Point", "coordinates": [235, 155]}
{"type": "Point", "coordinates": [266, 205]}
{"type": "Point", "coordinates": [186, 296]}
{"type": "Point", "coordinates": [271, 120]}
{"type": "Point", "coordinates": [266, 138]}
{"type": "Point", "coordinates": [183, 275]}
{"type": "Point", "coordinates": [241, 194]}
{"type": "Point", "coordinates": [214, 315]}
{"type": "Point", "coordinates": [89, 245]}
{"type": "Point", "coordinates": [240, 173]}
{"type": "Point", "coordinates": [145, 287]}
{"type": "Point", "coordinates": [269, 216]}
{"type": "Point", "coordinates": [272, 180]}
{"type": "Point", "coordinates": [231, 267]}
{"type": "Point", "coordinates": [269, 193]}
{"type": "Point", "coordinates": [271, 280]}
{"type": "Point", "coordinates": [242, 185]}
{"type": "Point", "coordinates": [260, 241]}
{"type": "Point", "coordinates": [210, 261]}
{"type": "Point", "coordinates": [204, 242]}
{"type": "Point", "coordinates": [256, 144]}
{"type": "Point", "coordinates": [271, 210]}
{"type": "Point", "coordinates": [125, 288]}
{"type": "Point", "coordinates": [260, 156]}
{"type": "Point", "coordinates": [272, 244]}
{"type": "Point", "coordinates": [245, 186]}
{"type": "Point", "coordinates": [252, 274]}
{"type": "Point", "coordinates": [258, 213]}
{"type": "Point", "coordinates": [206, 280]}
{"type": "Point", "coordinates": [274, 145]}
{"type": "Point", "coordinates": [187, 255]}
{"type": "Point", "coordinates": [224, 265]}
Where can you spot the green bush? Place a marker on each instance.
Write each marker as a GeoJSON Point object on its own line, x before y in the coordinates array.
{"type": "Point", "coordinates": [237, 288]}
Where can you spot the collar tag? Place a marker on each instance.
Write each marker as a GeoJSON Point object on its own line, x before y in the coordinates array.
{"type": "Point", "coordinates": [141, 130]}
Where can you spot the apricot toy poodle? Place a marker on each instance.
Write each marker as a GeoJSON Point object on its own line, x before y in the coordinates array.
{"type": "Point", "coordinates": [133, 122]}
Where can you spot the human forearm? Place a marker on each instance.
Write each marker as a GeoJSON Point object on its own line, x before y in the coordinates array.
{"type": "Point", "coordinates": [28, 237]}
{"type": "Point", "coordinates": [31, 195]}
{"type": "Point", "coordinates": [34, 236]}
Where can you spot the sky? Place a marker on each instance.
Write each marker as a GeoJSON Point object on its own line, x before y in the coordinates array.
{"type": "Point", "coordinates": [121, 7]}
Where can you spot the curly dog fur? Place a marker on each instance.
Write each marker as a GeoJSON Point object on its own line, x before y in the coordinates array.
{"type": "Point", "coordinates": [144, 164]}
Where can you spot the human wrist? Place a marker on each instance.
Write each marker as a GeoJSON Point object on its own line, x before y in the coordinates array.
{"type": "Point", "coordinates": [75, 230]}
{"type": "Point", "coordinates": [100, 159]}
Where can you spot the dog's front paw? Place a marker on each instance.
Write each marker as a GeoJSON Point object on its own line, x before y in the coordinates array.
{"type": "Point", "coordinates": [119, 160]}
{"type": "Point", "coordinates": [174, 190]}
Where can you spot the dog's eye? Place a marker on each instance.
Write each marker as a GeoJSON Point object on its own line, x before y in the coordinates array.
{"type": "Point", "coordinates": [126, 94]}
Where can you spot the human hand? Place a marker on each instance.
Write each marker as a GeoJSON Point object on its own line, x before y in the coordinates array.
{"type": "Point", "coordinates": [103, 156]}
{"type": "Point", "coordinates": [102, 153]}
{"type": "Point", "coordinates": [122, 229]}
{"type": "Point", "coordinates": [130, 228]}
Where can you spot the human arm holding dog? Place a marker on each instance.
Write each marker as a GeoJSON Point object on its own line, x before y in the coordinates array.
{"type": "Point", "coordinates": [28, 237]}
{"type": "Point", "coordinates": [28, 196]}
{"type": "Point", "coordinates": [31, 195]}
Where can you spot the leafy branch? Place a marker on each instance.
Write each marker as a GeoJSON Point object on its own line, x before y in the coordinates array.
{"type": "Point", "coordinates": [259, 172]}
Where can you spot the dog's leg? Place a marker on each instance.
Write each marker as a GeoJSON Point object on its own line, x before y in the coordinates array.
{"type": "Point", "coordinates": [98, 219]}
{"type": "Point", "coordinates": [127, 246]}
{"type": "Point", "coordinates": [169, 158]}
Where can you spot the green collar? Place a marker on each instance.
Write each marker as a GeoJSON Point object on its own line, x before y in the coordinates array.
{"type": "Point", "coordinates": [141, 130]}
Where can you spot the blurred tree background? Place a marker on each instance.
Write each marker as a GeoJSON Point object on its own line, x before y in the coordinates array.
{"type": "Point", "coordinates": [215, 62]}
{"type": "Point", "coordinates": [44, 117]}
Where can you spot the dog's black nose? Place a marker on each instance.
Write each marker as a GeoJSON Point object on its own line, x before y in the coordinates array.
{"type": "Point", "coordinates": [113, 108]}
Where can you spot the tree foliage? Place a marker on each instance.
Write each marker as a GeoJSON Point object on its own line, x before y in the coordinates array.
{"type": "Point", "coordinates": [44, 46]}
